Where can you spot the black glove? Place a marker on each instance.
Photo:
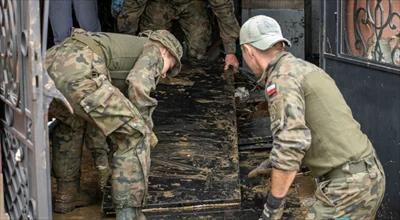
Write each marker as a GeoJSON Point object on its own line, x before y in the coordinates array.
{"type": "Point", "coordinates": [273, 208]}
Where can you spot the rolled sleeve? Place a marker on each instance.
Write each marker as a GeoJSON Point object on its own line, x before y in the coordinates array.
{"type": "Point", "coordinates": [291, 136]}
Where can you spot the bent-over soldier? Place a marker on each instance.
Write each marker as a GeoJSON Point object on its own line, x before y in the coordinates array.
{"type": "Point", "coordinates": [83, 68]}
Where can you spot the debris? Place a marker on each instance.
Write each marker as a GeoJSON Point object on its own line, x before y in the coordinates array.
{"type": "Point", "coordinates": [242, 93]}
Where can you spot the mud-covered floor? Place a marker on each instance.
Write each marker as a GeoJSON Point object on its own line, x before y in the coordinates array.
{"type": "Point", "coordinates": [236, 197]}
{"type": "Point", "coordinates": [253, 192]}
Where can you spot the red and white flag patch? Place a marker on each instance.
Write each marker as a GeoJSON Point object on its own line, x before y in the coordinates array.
{"type": "Point", "coordinates": [271, 90]}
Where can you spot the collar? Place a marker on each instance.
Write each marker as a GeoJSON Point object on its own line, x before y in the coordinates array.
{"type": "Point", "coordinates": [271, 66]}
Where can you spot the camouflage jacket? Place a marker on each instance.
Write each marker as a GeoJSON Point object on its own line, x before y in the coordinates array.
{"type": "Point", "coordinates": [143, 78]}
{"type": "Point", "coordinates": [136, 62]}
{"type": "Point", "coordinates": [310, 120]}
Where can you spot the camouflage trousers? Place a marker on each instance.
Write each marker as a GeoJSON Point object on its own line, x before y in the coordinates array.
{"type": "Point", "coordinates": [191, 16]}
{"type": "Point", "coordinates": [68, 135]}
{"type": "Point", "coordinates": [81, 75]}
{"type": "Point", "coordinates": [356, 196]}
{"type": "Point", "coordinates": [128, 18]}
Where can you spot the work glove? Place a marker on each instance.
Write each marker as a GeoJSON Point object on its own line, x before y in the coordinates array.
{"type": "Point", "coordinates": [264, 169]}
{"type": "Point", "coordinates": [273, 208]}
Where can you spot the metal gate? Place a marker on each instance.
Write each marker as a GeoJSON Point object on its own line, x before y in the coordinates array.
{"type": "Point", "coordinates": [360, 49]}
{"type": "Point", "coordinates": [24, 147]}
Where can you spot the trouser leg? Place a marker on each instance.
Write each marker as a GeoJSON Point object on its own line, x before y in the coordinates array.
{"type": "Point", "coordinates": [96, 142]}
{"type": "Point", "coordinates": [87, 15]}
{"type": "Point", "coordinates": [357, 196]}
{"type": "Point", "coordinates": [128, 18]}
{"type": "Point", "coordinates": [195, 24]}
{"type": "Point", "coordinates": [158, 15]}
{"type": "Point", "coordinates": [66, 142]}
{"type": "Point", "coordinates": [60, 14]}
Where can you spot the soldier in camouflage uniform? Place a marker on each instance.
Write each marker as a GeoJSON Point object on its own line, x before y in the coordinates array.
{"type": "Point", "coordinates": [312, 125]}
{"type": "Point", "coordinates": [83, 68]}
{"type": "Point", "coordinates": [193, 19]}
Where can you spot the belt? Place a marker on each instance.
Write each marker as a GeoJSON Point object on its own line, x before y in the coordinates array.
{"type": "Point", "coordinates": [83, 37]}
{"type": "Point", "coordinates": [341, 171]}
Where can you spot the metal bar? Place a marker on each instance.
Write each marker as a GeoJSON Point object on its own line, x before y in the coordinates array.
{"type": "Point", "coordinates": [364, 63]}
{"type": "Point", "coordinates": [41, 161]}
{"type": "Point", "coordinates": [10, 104]}
{"type": "Point", "coordinates": [45, 26]}
{"type": "Point", "coordinates": [21, 137]}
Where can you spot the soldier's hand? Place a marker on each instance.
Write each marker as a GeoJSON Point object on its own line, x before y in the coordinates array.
{"type": "Point", "coordinates": [264, 169]}
{"type": "Point", "coordinates": [231, 61]}
{"type": "Point", "coordinates": [153, 140]}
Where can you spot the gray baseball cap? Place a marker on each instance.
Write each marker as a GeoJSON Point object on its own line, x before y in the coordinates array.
{"type": "Point", "coordinates": [262, 32]}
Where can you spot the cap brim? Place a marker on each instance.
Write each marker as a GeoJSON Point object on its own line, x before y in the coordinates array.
{"type": "Point", "coordinates": [177, 68]}
{"type": "Point", "coordinates": [175, 71]}
{"type": "Point", "coordinates": [266, 43]}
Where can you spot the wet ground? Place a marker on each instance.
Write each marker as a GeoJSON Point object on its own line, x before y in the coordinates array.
{"type": "Point", "coordinates": [253, 192]}
{"type": "Point", "coordinates": [208, 183]}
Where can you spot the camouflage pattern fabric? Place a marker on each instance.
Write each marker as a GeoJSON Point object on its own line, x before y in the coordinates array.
{"type": "Point", "coordinates": [357, 196]}
{"type": "Point", "coordinates": [66, 139]}
{"type": "Point", "coordinates": [192, 17]}
{"type": "Point", "coordinates": [128, 17]}
{"type": "Point", "coordinates": [310, 120]}
{"type": "Point", "coordinates": [96, 142]}
{"type": "Point", "coordinates": [81, 75]}
{"type": "Point", "coordinates": [227, 22]}
{"type": "Point", "coordinates": [312, 125]}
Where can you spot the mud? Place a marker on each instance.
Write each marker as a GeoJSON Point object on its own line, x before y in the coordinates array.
{"type": "Point", "coordinates": [255, 190]}
{"type": "Point", "coordinates": [176, 82]}
{"type": "Point", "coordinates": [197, 170]}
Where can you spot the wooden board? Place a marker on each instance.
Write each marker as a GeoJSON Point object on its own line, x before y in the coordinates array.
{"type": "Point", "coordinates": [196, 159]}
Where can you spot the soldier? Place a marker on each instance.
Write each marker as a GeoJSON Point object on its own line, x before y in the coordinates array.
{"type": "Point", "coordinates": [82, 68]}
{"type": "Point", "coordinates": [312, 125]}
{"type": "Point", "coordinates": [193, 19]}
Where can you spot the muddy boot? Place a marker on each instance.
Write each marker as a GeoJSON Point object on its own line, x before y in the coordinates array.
{"type": "Point", "coordinates": [68, 197]}
{"type": "Point", "coordinates": [130, 214]}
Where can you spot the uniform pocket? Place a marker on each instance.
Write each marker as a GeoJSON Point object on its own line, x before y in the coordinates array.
{"type": "Point", "coordinates": [321, 195]}
{"type": "Point", "coordinates": [277, 114]}
{"type": "Point", "coordinates": [110, 109]}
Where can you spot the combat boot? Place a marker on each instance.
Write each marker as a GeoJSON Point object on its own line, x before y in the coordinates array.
{"type": "Point", "coordinates": [130, 214]}
{"type": "Point", "coordinates": [68, 197]}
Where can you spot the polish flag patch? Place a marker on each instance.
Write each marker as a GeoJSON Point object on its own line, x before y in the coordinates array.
{"type": "Point", "coordinates": [271, 90]}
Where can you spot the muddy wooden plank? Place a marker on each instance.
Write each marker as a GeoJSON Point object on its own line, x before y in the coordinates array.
{"type": "Point", "coordinates": [252, 118]}
{"type": "Point", "coordinates": [255, 190]}
{"type": "Point", "coordinates": [196, 159]}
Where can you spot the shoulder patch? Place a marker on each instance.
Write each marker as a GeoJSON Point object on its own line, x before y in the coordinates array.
{"type": "Point", "coordinates": [271, 90]}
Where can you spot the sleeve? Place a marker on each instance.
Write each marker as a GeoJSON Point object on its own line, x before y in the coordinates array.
{"type": "Point", "coordinates": [228, 25]}
{"type": "Point", "coordinates": [142, 80]}
{"type": "Point", "coordinates": [291, 136]}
